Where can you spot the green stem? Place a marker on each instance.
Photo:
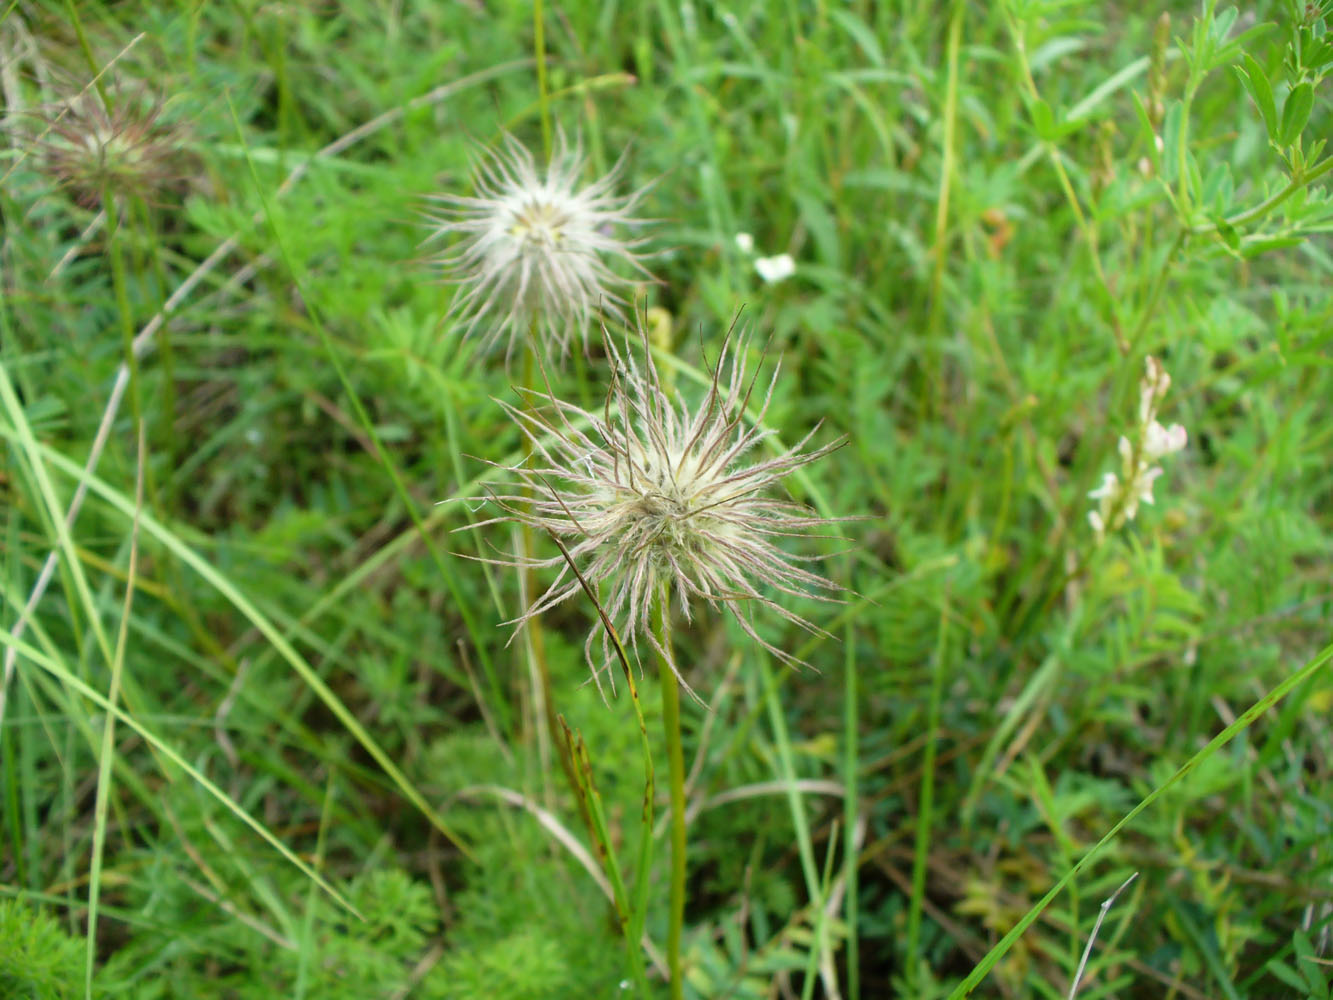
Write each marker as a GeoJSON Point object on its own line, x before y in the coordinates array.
{"type": "Point", "coordinates": [631, 913]}
{"type": "Point", "coordinates": [121, 290]}
{"type": "Point", "coordinates": [144, 219]}
{"type": "Point", "coordinates": [676, 774]}
{"type": "Point", "coordinates": [535, 637]}
{"type": "Point", "coordinates": [925, 806]}
{"type": "Point", "coordinates": [947, 160]}
{"type": "Point", "coordinates": [536, 641]}
{"type": "Point", "coordinates": [1155, 293]}
{"type": "Point", "coordinates": [1264, 207]}
{"type": "Point", "coordinates": [539, 51]}
{"type": "Point", "coordinates": [1053, 154]}
{"type": "Point", "coordinates": [87, 51]}
{"type": "Point", "coordinates": [851, 808]}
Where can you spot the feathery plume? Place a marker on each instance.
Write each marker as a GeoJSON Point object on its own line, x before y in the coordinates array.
{"type": "Point", "coordinates": [651, 497]}
{"type": "Point", "coordinates": [536, 245]}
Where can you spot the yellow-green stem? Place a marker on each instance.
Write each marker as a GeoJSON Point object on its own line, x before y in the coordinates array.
{"type": "Point", "coordinates": [1298, 181]}
{"type": "Point", "coordinates": [676, 775]}
{"type": "Point", "coordinates": [112, 225]}
{"type": "Point", "coordinates": [1085, 228]}
{"type": "Point", "coordinates": [932, 374]}
{"type": "Point", "coordinates": [121, 290]}
{"type": "Point", "coordinates": [87, 51]}
{"type": "Point", "coordinates": [536, 641]}
{"type": "Point", "coordinates": [166, 356]}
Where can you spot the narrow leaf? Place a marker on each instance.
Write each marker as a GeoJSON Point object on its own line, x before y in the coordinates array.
{"type": "Point", "coordinates": [1261, 92]}
{"type": "Point", "coordinates": [1296, 112]}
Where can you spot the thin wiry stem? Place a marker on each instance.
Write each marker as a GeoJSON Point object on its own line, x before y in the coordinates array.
{"type": "Point", "coordinates": [539, 52]}
{"type": "Point", "coordinates": [676, 778]}
{"type": "Point", "coordinates": [535, 638]}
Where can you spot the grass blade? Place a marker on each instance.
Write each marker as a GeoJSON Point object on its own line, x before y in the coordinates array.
{"type": "Point", "coordinates": [1242, 723]}
{"type": "Point", "coordinates": [270, 631]}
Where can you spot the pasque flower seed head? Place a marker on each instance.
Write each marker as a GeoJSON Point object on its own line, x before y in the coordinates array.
{"type": "Point", "coordinates": [537, 247]}
{"type": "Point", "coordinates": [127, 151]}
{"type": "Point", "coordinates": [656, 499]}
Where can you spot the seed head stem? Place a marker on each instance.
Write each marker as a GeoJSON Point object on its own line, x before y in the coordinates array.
{"type": "Point", "coordinates": [676, 776]}
{"type": "Point", "coordinates": [118, 281]}
{"type": "Point", "coordinates": [87, 51]}
{"type": "Point", "coordinates": [539, 51]}
{"type": "Point", "coordinates": [536, 642]}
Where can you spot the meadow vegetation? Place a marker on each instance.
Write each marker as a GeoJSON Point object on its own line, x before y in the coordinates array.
{"type": "Point", "coordinates": [264, 731]}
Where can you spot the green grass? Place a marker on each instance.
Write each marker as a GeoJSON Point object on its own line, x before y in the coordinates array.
{"type": "Point", "coordinates": [328, 774]}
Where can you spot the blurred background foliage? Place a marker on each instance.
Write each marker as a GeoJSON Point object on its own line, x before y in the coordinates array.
{"type": "Point", "coordinates": [996, 211]}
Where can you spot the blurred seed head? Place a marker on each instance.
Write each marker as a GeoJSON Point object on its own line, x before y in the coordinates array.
{"type": "Point", "coordinates": [538, 246]}
{"type": "Point", "coordinates": [129, 150]}
{"type": "Point", "coordinates": [655, 499]}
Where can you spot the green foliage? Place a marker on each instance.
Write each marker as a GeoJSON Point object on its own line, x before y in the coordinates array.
{"type": "Point", "coordinates": [524, 964]}
{"type": "Point", "coordinates": [38, 959]}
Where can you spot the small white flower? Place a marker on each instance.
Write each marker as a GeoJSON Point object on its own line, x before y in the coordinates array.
{"type": "Point", "coordinates": [1118, 500]}
{"type": "Point", "coordinates": [536, 246]}
{"type": "Point", "coordinates": [1159, 441]}
{"type": "Point", "coordinates": [1152, 388]}
{"type": "Point", "coordinates": [745, 242]}
{"type": "Point", "coordinates": [1110, 483]}
{"type": "Point", "coordinates": [1141, 492]}
{"type": "Point", "coordinates": [775, 269]}
{"type": "Point", "coordinates": [1126, 449]}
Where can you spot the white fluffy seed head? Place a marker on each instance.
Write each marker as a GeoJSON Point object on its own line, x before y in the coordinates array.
{"type": "Point", "coordinates": [654, 499]}
{"type": "Point", "coordinates": [537, 247]}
